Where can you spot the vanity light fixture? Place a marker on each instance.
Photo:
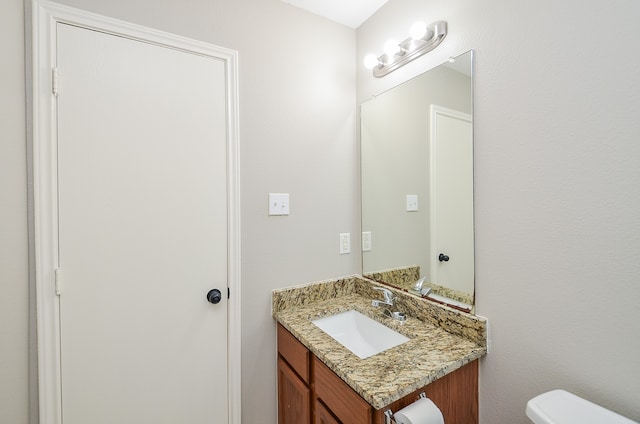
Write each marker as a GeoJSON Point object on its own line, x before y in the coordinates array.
{"type": "Point", "coordinates": [423, 39]}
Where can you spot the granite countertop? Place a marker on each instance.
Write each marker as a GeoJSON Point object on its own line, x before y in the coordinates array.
{"type": "Point", "coordinates": [390, 375]}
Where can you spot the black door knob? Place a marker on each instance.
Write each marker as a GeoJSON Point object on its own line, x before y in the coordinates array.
{"type": "Point", "coordinates": [214, 296]}
{"type": "Point", "coordinates": [443, 258]}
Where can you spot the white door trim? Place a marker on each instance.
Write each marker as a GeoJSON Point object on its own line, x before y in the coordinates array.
{"type": "Point", "coordinates": [41, 19]}
{"type": "Point", "coordinates": [434, 111]}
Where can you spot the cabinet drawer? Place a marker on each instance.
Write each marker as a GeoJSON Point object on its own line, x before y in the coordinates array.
{"type": "Point", "coordinates": [341, 399]}
{"type": "Point", "coordinates": [294, 352]}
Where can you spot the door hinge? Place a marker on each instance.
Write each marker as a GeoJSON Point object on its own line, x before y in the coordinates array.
{"type": "Point", "coordinates": [58, 281]}
{"type": "Point", "coordinates": [54, 81]}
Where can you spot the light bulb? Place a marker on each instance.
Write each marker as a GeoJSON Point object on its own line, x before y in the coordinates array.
{"type": "Point", "coordinates": [391, 48]}
{"type": "Point", "coordinates": [418, 30]}
{"type": "Point", "coordinates": [370, 61]}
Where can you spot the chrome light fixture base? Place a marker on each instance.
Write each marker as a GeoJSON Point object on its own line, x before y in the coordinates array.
{"type": "Point", "coordinates": [411, 49]}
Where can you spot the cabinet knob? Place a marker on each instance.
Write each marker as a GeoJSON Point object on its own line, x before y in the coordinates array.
{"type": "Point", "coordinates": [443, 258]}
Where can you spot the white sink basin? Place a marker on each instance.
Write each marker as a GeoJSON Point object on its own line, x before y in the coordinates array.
{"type": "Point", "coordinates": [359, 333]}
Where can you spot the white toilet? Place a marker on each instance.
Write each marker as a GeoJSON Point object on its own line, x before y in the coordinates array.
{"type": "Point", "coordinates": [562, 407]}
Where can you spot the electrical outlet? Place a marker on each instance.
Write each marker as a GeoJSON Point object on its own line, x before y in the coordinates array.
{"type": "Point", "coordinates": [366, 241]}
{"type": "Point", "coordinates": [345, 243]}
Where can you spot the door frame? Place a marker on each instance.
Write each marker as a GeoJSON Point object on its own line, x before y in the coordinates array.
{"type": "Point", "coordinates": [41, 18]}
{"type": "Point", "coordinates": [434, 111]}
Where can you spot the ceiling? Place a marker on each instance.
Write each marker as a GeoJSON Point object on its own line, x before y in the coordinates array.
{"type": "Point", "coordinates": [347, 12]}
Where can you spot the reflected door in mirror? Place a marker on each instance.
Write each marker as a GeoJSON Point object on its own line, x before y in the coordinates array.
{"type": "Point", "coordinates": [452, 198]}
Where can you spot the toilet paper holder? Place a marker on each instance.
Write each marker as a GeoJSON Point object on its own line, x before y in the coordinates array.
{"type": "Point", "coordinates": [388, 415]}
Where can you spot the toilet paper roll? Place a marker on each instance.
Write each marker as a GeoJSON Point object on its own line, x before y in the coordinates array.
{"type": "Point", "coordinates": [422, 411]}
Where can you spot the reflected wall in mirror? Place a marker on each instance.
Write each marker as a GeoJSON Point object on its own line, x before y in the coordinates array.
{"type": "Point", "coordinates": [417, 184]}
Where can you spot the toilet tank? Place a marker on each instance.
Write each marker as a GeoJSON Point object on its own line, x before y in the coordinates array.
{"type": "Point", "coordinates": [562, 407]}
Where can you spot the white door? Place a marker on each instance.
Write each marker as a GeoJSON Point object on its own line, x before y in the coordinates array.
{"type": "Point", "coordinates": [142, 207]}
{"type": "Point", "coordinates": [452, 260]}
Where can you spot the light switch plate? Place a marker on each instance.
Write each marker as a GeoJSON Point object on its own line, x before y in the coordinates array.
{"type": "Point", "coordinates": [278, 203]}
{"type": "Point", "coordinates": [412, 202]}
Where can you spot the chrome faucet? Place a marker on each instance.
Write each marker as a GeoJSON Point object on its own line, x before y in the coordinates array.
{"type": "Point", "coordinates": [388, 297]}
{"type": "Point", "coordinates": [388, 300]}
{"type": "Point", "coordinates": [418, 287]}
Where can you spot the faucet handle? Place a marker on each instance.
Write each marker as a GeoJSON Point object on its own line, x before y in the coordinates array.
{"type": "Point", "coordinates": [388, 294]}
{"type": "Point", "coordinates": [418, 284]}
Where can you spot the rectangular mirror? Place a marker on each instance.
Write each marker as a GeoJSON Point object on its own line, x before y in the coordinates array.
{"type": "Point", "coordinates": [417, 184]}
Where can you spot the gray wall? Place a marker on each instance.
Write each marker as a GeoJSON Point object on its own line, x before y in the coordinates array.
{"type": "Point", "coordinates": [557, 97]}
{"type": "Point", "coordinates": [14, 304]}
{"type": "Point", "coordinates": [557, 168]}
{"type": "Point", "coordinates": [297, 135]}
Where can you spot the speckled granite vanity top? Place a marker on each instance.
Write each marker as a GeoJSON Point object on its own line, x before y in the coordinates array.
{"type": "Point", "coordinates": [442, 339]}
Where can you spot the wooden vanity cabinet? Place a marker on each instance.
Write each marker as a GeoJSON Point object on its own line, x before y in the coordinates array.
{"type": "Point", "coordinates": [294, 394]}
{"type": "Point", "coordinates": [311, 393]}
{"type": "Point", "coordinates": [345, 404]}
{"type": "Point", "coordinates": [455, 394]}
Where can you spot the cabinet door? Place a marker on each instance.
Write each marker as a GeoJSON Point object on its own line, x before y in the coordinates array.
{"type": "Point", "coordinates": [293, 397]}
{"type": "Point", "coordinates": [322, 415]}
